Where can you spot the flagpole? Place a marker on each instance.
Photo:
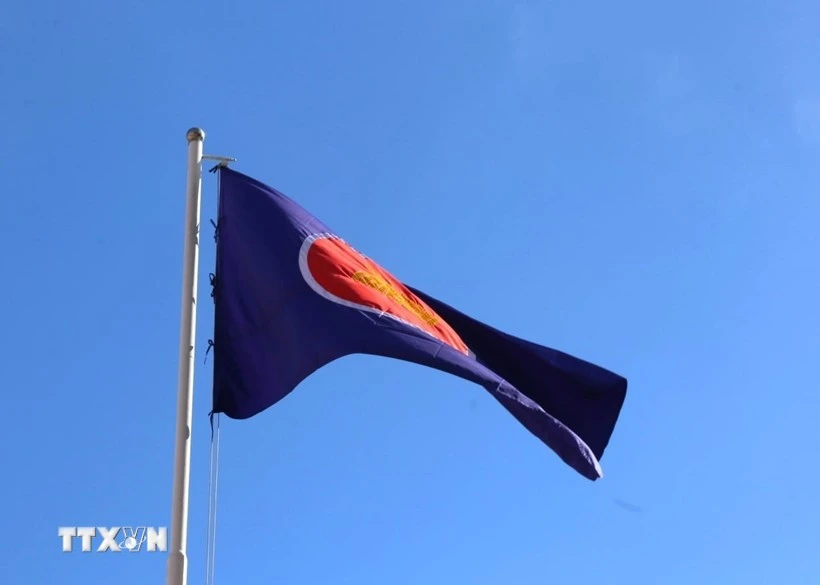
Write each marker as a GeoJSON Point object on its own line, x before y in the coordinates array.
{"type": "Point", "coordinates": [177, 560]}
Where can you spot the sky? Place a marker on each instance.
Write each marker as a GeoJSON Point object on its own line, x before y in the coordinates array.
{"type": "Point", "coordinates": [634, 183]}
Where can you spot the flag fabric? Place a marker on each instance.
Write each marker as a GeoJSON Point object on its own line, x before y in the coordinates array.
{"type": "Point", "coordinates": [292, 296]}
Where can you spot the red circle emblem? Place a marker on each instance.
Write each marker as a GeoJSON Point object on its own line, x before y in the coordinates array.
{"type": "Point", "coordinates": [339, 273]}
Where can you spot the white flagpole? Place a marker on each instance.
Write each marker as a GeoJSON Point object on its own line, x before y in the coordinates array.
{"type": "Point", "coordinates": [177, 559]}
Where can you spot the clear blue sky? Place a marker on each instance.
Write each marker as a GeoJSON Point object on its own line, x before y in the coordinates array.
{"type": "Point", "coordinates": [633, 183]}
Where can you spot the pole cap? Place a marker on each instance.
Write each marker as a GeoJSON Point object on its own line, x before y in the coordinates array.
{"type": "Point", "coordinates": [196, 134]}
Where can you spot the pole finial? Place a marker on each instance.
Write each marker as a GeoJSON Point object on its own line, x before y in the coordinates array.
{"type": "Point", "coordinates": [196, 134]}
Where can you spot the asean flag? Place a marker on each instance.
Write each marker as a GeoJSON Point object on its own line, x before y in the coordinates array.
{"type": "Point", "coordinates": [291, 296]}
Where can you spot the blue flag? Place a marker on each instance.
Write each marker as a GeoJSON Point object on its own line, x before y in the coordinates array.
{"type": "Point", "coordinates": [291, 296]}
